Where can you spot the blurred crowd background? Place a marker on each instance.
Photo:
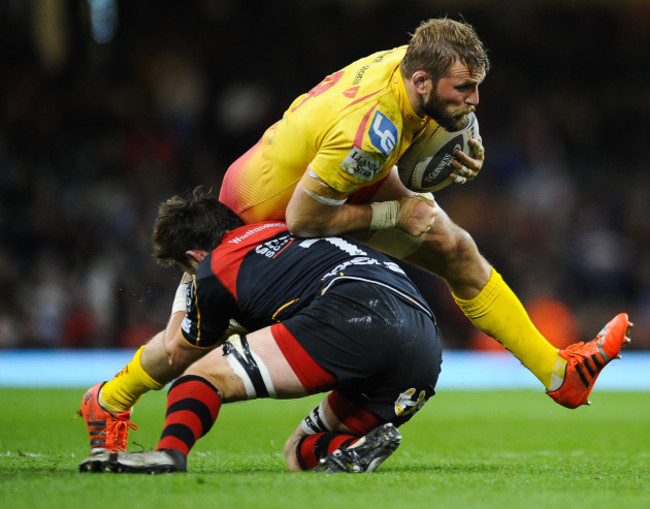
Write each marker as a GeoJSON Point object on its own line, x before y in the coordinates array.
{"type": "Point", "coordinates": [108, 107]}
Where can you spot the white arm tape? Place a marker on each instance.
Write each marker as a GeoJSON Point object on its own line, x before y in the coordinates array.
{"type": "Point", "coordinates": [384, 214]}
{"type": "Point", "coordinates": [322, 199]}
{"type": "Point", "coordinates": [180, 298]}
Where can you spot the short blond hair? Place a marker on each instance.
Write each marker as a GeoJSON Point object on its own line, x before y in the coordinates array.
{"type": "Point", "coordinates": [438, 43]}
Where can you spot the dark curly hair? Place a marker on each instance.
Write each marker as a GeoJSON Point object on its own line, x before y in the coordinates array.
{"type": "Point", "coordinates": [197, 222]}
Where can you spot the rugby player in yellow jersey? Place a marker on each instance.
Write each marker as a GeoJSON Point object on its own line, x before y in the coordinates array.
{"type": "Point", "coordinates": [327, 168]}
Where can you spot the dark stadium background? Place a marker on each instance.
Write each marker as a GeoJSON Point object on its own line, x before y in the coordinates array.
{"type": "Point", "coordinates": [108, 107]}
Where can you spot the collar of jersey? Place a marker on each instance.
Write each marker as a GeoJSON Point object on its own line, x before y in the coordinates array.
{"type": "Point", "coordinates": [411, 119]}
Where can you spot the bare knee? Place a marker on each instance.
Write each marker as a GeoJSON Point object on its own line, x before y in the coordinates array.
{"type": "Point", "coordinates": [454, 244]}
{"type": "Point", "coordinates": [447, 245]}
{"type": "Point", "coordinates": [290, 447]}
{"type": "Point", "coordinates": [451, 253]}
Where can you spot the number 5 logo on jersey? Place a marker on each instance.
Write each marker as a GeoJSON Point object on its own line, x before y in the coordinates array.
{"type": "Point", "coordinates": [383, 133]}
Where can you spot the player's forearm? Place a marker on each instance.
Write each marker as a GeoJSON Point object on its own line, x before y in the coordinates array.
{"type": "Point", "coordinates": [329, 220]}
{"type": "Point", "coordinates": [155, 360]}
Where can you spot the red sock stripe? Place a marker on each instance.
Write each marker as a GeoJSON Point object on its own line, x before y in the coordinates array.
{"type": "Point", "coordinates": [186, 418]}
{"type": "Point", "coordinates": [195, 388]}
{"type": "Point", "coordinates": [342, 440]}
{"type": "Point", "coordinates": [306, 452]}
{"type": "Point", "coordinates": [192, 407]}
{"type": "Point", "coordinates": [357, 419]}
{"type": "Point", "coordinates": [171, 442]}
{"type": "Point", "coordinates": [314, 447]}
{"type": "Point", "coordinates": [314, 378]}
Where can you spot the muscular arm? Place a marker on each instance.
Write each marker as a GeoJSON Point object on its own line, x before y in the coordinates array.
{"type": "Point", "coordinates": [316, 209]}
{"type": "Point", "coordinates": [167, 355]}
{"type": "Point", "coordinates": [308, 216]}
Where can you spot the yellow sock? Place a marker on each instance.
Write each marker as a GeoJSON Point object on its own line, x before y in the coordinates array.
{"type": "Point", "coordinates": [496, 310]}
{"type": "Point", "coordinates": [126, 388]}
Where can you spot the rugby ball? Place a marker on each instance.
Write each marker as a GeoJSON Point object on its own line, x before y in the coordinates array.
{"type": "Point", "coordinates": [426, 164]}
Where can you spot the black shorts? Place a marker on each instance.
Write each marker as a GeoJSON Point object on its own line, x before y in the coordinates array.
{"type": "Point", "coordinates": [384, 351]}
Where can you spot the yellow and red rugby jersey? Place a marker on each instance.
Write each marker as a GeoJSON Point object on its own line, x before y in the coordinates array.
{"type": "Point", "coordinates": [350, 130]}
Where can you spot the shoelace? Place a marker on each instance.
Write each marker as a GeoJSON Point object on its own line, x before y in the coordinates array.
{"type": "Point", "coordinates": [120, 430]}
{"type": "Point", "coordinates": [572, 350]}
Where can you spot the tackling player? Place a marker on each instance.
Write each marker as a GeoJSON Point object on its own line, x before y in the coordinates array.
{"type": "Point", "coordinates": [330, 314]}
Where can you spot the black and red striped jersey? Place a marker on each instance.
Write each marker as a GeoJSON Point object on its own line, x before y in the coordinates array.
{"type": "Point", "coordinates": [262, 274]}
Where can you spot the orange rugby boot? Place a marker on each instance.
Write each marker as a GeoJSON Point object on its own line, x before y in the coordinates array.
{"type": "Point", "coordinates": [108, 431]}
{"type": "Point", "coordinates": [585, 361]}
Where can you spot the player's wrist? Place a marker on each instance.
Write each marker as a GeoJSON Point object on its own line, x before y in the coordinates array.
{"type": "Point", "coordinates": [180, 298]}
{"type": "Point", "coordinates": [384, 214]}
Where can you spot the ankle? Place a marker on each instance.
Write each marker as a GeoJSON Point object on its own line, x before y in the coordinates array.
{"type": "Point", "coordinates": [559, 373]}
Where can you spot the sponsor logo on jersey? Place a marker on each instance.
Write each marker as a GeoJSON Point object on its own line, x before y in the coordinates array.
{"type": "Point", "coordinates": [361, 164]}
{"type": "Point", "coordinates": [272, 247]}
{"type": "Point", "coordinates": [394, 267]}
{"type": "Point", "coordinates": [383, 133]}
{"type": "Point", "coordinates": [359, 260]}
{"type": "Point", "coordinates": [253, 231]}
{"type": "Point", "coordinates": [359, 75]}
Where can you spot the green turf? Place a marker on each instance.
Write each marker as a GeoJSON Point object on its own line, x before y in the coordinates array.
{"type": "Point", "coordinates": [463, 450]}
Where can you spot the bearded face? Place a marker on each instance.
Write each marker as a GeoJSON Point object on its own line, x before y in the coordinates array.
{"type": "Point", "coordinates": [446, 113]}
{"type": "Point", "coordinates": [452, 97]}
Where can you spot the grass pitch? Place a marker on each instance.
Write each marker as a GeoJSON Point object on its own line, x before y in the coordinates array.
{"type": "Point", "coordinates": [462, 450]}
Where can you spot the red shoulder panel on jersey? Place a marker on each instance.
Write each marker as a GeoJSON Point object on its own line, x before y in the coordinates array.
{"type": "Point", "coordinates": [228, 257]}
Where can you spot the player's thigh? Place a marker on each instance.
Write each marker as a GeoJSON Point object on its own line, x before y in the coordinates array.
{"type": "Point", "coordinates": [264, 348]}
{"type": "Point", "coordinates": [379, 348]}
{"type": "Point", "coordinates": [248, 367]}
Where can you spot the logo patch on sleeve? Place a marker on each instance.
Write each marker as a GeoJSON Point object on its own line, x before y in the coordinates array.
{"type": "Point", "coordinates": [362, 165]}
{"type": "Point", "coordinates": [383, 133]}
{"type": "Point", "coordinates": [186, 325]}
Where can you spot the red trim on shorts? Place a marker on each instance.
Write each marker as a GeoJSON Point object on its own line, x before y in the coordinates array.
{"type": "Point", "coordinates": [311, 375]}
{"type": "Point", "coordinates": [357, 419]}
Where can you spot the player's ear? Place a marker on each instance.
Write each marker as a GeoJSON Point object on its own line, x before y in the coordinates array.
{"type": "Point", "coordinates": [422, 82]}
{"type": "Point", "coordinates": [197, 255]}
